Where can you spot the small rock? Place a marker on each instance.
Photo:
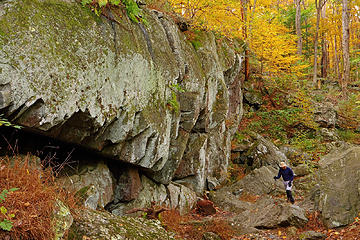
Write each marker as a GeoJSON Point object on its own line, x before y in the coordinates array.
{"type": "Point", "coordinates": [212, 183]}
{"type": "Point", "coordinates": [238, 191]}
{"type": "Point", "coordinates": [205, 207]}
{"type": "Point", "coordinates": [312, 235]}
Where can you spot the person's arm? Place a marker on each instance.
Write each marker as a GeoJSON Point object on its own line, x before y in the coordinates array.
{"type": "Point", "coordinates": [279, 175]}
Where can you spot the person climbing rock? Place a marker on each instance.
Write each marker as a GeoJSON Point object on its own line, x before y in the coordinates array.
{"type": "Point", "coordinates": [288, 177]}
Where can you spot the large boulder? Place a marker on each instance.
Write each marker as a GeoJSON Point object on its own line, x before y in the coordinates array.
{"type": "Point", "coordinates": [272, 213]}
{"type": "Point", "coordinates": [258, 182]}
{"type": "Point", "coordinates": [91, 224]}
{"type": "Point", "coordinates": [339, 195]}
{"type": "Point", "coordinates": [263, 153]}
{"type": "Point", "coordinates": [264, 213]}
{"type": "Point", "coordinates": [112, 86]}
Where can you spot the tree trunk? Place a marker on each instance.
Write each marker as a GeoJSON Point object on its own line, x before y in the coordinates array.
{"type": "Point", "coordinates": [318, 9]}
{"type": "Point", "coordinates": [324, 50]}
{"type": "Point", "coordinates": [336, 62]}
{"type": "Point", "coordinates": [298, 26]}
{"type": "Point", "coordinates": [245, 33]}
{"type": "Point", "coordinates": [319, 5]}
{"type": "Point", "coordinates": [345, 44]}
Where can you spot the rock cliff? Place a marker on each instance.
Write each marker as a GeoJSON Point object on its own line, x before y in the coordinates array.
{"type": "Point", "coordinates": [134, 93]}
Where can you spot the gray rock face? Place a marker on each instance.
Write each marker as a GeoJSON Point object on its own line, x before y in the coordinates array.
{"type": "Point", "coordinates": [339, 178]}
{"type": "Point", "coordinates": [275, 214]}
{"type": "Point", "coordinates": [93, 182]}
{"type": "Point", "coordinates": [102, 225]}
{"type": "Point", "coordinates": [328, 134]}
{"type": "Point", "coordinates": [192, 168]}
{"type": "Point", "coordinates": [301, 170]}
{"type": "Point", "coordinates": [325, 115]}
{"type": "Point", "coordinates": [259, 181]}
{"type": "Point", "coordinates": [173, 196]}
{"type": "Point", "coordinates": [128, 186]}
{"type": "Point", "coordinates": [294, 155]}
{"type": "Point", "coordinates": [263, 153]}
{"type": "Point", "coordinates": [110, 86]}
{"type": "Point", "coordinates": [251, 201]}
{"type": "Point", "coordinates": [265, 213]}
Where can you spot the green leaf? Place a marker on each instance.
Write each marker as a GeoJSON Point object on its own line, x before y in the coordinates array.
{"type": "Point", "coordinates": [97, 12]}
{"type": "Point", "coordinates": [6, 225]}
{"type": "Point", "coordinates": [11, 215]}
{"type": "Point", "coordinates": [3, 210]}
{"type": "Point", "coordinates": [115, 2]}
{"type": "Point", "coordinates": [102, 3]}
{"type": "Point", "coordinates": [85, 2]}
{"type": "Point", "coordinates": [13, 189]}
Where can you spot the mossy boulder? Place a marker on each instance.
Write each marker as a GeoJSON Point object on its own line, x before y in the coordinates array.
{"type": "Point", "coordinates": [92, 224]}
{"type": "Point", "coordinates": [106, 83]}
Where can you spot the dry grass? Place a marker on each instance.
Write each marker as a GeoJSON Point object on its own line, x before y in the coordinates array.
{"type": "Point", "coordinates": [193, 226]}
{"type": "Point", "coordinates": [33, 203]}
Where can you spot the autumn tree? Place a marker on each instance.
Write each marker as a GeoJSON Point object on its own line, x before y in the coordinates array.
{"type": "Point", "coordinates": [345, 43]}
{"type": "Point", "coordinates": [319, 6]}
{"type": "Point", "coordinates": [298, 26]}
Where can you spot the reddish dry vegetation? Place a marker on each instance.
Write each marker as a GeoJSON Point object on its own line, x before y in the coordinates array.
{"type": "Point", "coordinates": [195, 224]}
{"type": "Point", "coordinates": [33, 202]}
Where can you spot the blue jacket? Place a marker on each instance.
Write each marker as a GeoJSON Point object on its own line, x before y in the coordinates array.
{"type": "Point", "coordinates": [287, 174]}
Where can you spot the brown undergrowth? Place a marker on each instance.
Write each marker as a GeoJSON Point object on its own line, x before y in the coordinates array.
{"type": "Point", "coordinates": [33, 203]}
{"type": "Point", "coordinates": [193, 226]}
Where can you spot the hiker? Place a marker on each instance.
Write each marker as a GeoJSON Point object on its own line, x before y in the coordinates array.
{"type": "Point", "coordinates": [288, 177]}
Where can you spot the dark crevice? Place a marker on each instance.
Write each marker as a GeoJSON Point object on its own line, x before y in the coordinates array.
{"type": "Point", "coordinates": [200, 125]}
{"type": "Point", "coordinates": [26, 141]}
{"type": "Point", "coordinates": [53, 152]}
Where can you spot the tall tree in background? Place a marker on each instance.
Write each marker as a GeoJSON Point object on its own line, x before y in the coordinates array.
{"type": "Point", "coordinates": [319, 5]}
{"type": "Point", "coordinates": [324, 49]}
{"type": "Point", "coordinates": [345, 43]}
{"type": "Point", "coordinates": [245, 34]}
{"type": "Point", "coordinates": [298, 26]}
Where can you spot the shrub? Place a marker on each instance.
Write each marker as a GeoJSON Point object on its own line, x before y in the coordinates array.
{"type": "Point", "coordinates": [32, 204]}
{"type": "Point", "coordinates": [132, 9]}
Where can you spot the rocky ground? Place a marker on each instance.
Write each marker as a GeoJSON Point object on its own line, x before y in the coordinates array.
{"type": "Point", "coordinates": [255, 207]}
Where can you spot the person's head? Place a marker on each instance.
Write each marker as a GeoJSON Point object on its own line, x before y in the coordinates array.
{"type": "Point", "coordinates": [283, 165]}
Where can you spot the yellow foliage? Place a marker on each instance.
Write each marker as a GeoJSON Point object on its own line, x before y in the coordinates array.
{"type": "Point", "coordinates": [256, 24]}
{"type": "Point", "coordinates": [274, 45]}
{"type": "Point", "coordinates": [222, 16]}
